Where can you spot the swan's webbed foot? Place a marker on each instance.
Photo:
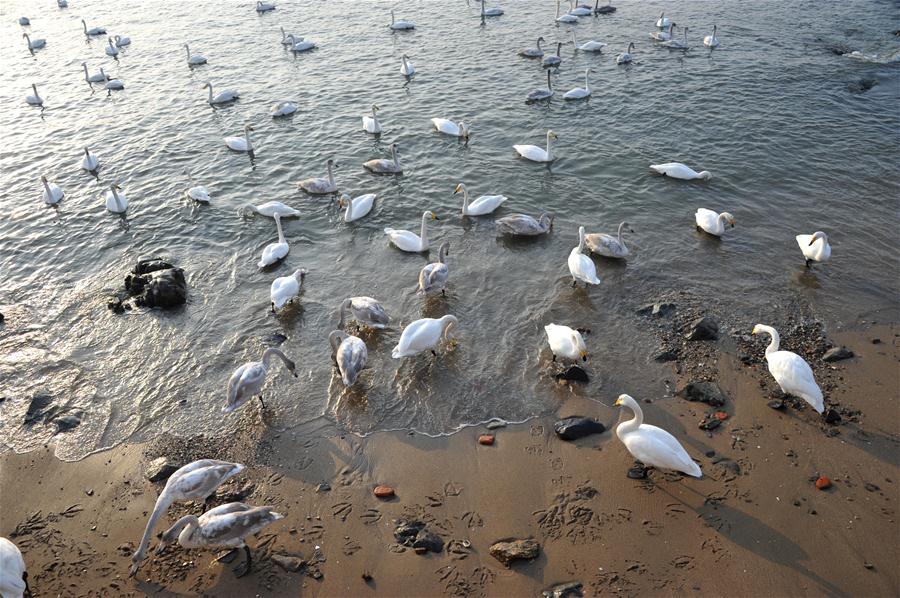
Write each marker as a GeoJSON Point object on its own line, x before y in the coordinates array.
{"type": "Point", "coordinates": [638, 472]}
{"type": "Point", "coordinates": [574, 283]}
{"type": "Point", "coordinates": [248, 564]}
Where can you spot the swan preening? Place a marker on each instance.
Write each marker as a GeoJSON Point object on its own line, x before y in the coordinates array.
{"type": "Point", "coordinates": [53, 193]}
{"type": "Point", "coordinates": [815, 247]}
{"type": "Point", "coordinates": [34, 44]}
{"type": "Point", "coordinates": [385, 166]}
{"type": "Point", "coordinates": [400, 25]}
{"type": "Point", "coordinates": [271, 209]}
{"type": "Point", "coordinates": [289, 39]}
{"type": "Point", "coordinates": [565, 342]}
{"type": "Point", "coordinates": [320, 185]}
{"type": "Point", "coordinates": [608, 245]}
{"type": "Point", "coordinates": [409, 241]}
{"type": "Point", "coordinates": [195, 481]}
{"type": "Point", "coordinates": [524, 225]}
{"type": "Point", "coordinates": [300, 44]}
{"type": "Point", "coordinates": [791, 372]}
{"type": "Point", "coordinates": [588, 46]}
{"type": "Point", "coordinates": [90, 162]}
{"type": "Point", "coordinates": [227, 95]}
{"type": "Point", "coordinates": [247, 381]}
{"type": "Point", "coordinates": [677, 170]}
{"type": "Point", "coordinates": [482, 205]}
{"type": "Point", "coordinates": [581, 266]}
{"type": "Point", "coordinates": [196, 192]}
{"type": "Point", "coordinates": [116, 202]}
{"type": "Point", "coordinates": [274, 252]}
{"type": "Point", "coordinates": [34, 99]}
{"type": "Point", "coordinates": [240, 144]}
{"type": "Point", "coordinates": [365, 310]}
{"type": "Point", "coordinates": [356, 207]}
{"type": "Point", "coordinates": [536, 154]}
{"type": "Point", "coordinates": [93, 30]}
{"type": "Point", "coordinates": [433, 277]}
{"type": "Point", "coordinates": [406, 67]}
{"type": "Point", "coordinates": [96, 77]}
{"type": "Point", "coordinates": [537, 95]}
{"type": "Point", "coordinates": [533, 52]}
{"type": "Point", "coordinates": [350, 355]}
{"type": "Point", "coordinates": [713, 223]}
{"type": "Point", "coordinates": [626, 57]}
{"type": "Point", "coordinates": [553, 59]}
{"type": "Point", "coordinates": [448, 127]}
{"type": "Point", "coordinates": [651, 445]}
{"type": "Point", "coordinates": [423, 335]}
{"type": "Point", "coordinates": [579, 93]}
{"type": "Point", "coordinates": [283, 108]}
{"type": "Point", "coordinates": [264, 6]}
{"type": "Point", "coordinates": [711, 41]}
{"type": "Point", "coordinates": [194, 60]}
{"type": "Point", "coordinates": [111, 49]}
{"type": "Point", "coordinates": [13, 576]}
{"type": "Point", "coordinates": [285, 288]}
{"type": "Point", "coordinates": [370, 123]}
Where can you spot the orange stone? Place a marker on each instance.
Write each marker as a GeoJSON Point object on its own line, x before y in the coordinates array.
{"type": "Point", "coordinates": [721, 415]}
{"type": "Point", "coordinates": [384, 491]}
{"type": "Point", "coordinates": [487, 439]}
{"type": "Point", "coordinates": [823, 483]}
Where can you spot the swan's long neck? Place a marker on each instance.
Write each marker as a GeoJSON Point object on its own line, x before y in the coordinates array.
{"type": "Point", "coordinates": [83, 24]}
{"type": "Point", "coordinates": [181, 531]}
{"type": "Point", "coordinates": [209, 85]}
{"type": "Point", "coordinates": [549, 88]}
{"type": "Point", "coordinates": [442, 255]}
{"type": "Point", "coordinates": [586, 86]}
{"type": "Point", "coordinates": [392, 17]}
{"type": "Point", "coordinates": [268, 353]}
{"type": "Point", "coordinates": [394, 156]}
{"type": "Point", "coordinates": [465, 201]}
{"type": "Point", "coordinates": [349, 211]}
{"type": "Point", "coordinates": [335, 339]}
{"type": "Point", "coordinates": [634, 423]}
{"type": "Point", "coordinates": [621, 226]}
{"type": "Point", "coordinates": [86, 73]}
{"type": "Point", "coordinates": [581, 240]}
{"type": "Point", "coordinates": [722, 219]}
{"type": "Point", "coordinates": [278, 226]}
{"type": "Point", "coordinates": [34, 87]}
{"type": "Point", "coordinates": [424, 232]}
{"type": "Point", "coordinates": [539, 44]}
{"type": "Point", "coordinates": [247, 139]}
{"type": "Point", "coordinates": [116, 198]}
{"type": "Point", "coordinates": [343, 310]}
{"type": "Point", "coordinates": [776, 339]}
{"type": "Point", "coordinates": [282, 33]}
{"type": "Point", "coordinates": [548, 144]}
{"type": "Point", "coordinates": [187, 49]}
{"type": "Point", "coordinates": [47, 188]}
{"type": "Point", "coordinates": [331, 174]}
{"type": "Point", "coordinates": [448, 323]}
{"type": "Point", "coordinates": [162, 504]}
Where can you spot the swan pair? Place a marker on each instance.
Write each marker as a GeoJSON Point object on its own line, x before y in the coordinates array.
{"type": "Point", "coordinates": [608, 245]}
{"type": "Point", "coordinates": [274, 252]}
{"type": "Point", "coordinates": [712, 223]}
{"type": "Point", "coordinates": [285, 288]}
{"type": "Point", "coordinates": [524, 225]}
{"type": "Point", "coordinates": [350, 355]}
{"type": "Point", "coordinates": [424, 335]}
{"type": "Point", "coordinates": [482, 205]}
{"type": "Point", "coordinates": [356, 207]}
{"type": "Point", "coordinates": [448, 127]}
{"type": "Point", "coordinates": [409, 241]}
{"type": "Point", "coordinates": [300, 44]}
{"type": "Point", "coordinates": [247, 380]}
{"type": "Point", "coordinates": [815, 247]}
{"type": "Point", "coordinates": [223, 97]}
{"type": "Point", "coordinates": [581, 266]}
{"type": "Point", "coordinates": [320, 185]}
{"type": "Point", "coordinates": [195, 59]}
{"type": "Point", "coordinates": [535, 153]}
{"type": "Point", "coordinates": [240, 144]}
{"type": "Point", "coordinates": [96, 77]}
{"type": "Point", "coordinates": [385, 166]}
{"type": "Point", "coordinates": [565, 342]}
{"type": "Point", "coordinates": [433, 277]}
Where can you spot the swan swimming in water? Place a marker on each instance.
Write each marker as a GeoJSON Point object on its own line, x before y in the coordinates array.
{"type": "Point", "coordinates": [195, 59]}
{"type": "Point", "coordinates": [34, 44]}
{"type": "Point", "coordinates": [111, 50]}
{"type": "Point", "coordinates": [524, 225]}
{"type": "Point", "coordinates": [122, 41]}
{"type": "Point", "coordinates": [384, 166]}
{"type": "Point", "coordinates": [711, 222]}
{"type": "Point", "coordinates": [409, 241]}
{"type": "Point", "coordinates": [711, 41]}
{"type": "Point", "coordinates": [13, 576]}
{"type": "Point", "coordinates": [96, 77]}
{"type": "Point", "coordinates": [196, 192]}
{"type": "Point", "coordinates": [565, 342]}
{"type": "Point", "coordinates": [197, 480]}
{"type": "Point", "coordinates": [350, 354]}
{"type": "Point", "coordinates": [34, 99]}
{"type": "Point", "coordinates": [400, 25]}
{"type": "Point", "coordinates": [663, 21]}
{"type": "Point", "coordinates": [423, 335]}
{"type": "Point", "coordinates": [566, 18]}
{"type": "Point", "coordinates": [283, 108]}
{"type": "Point", "coordinates": [536, 154]}
{"type": "Point", "coordinates": [533, 52]}
{"type": "Point", "coordinates": [247, 381]}
{"type": "Point", "coordinates": [626, 57]}
{"type": "Point", "coordinates": [114, 85]}
{"type": "Point", "coordinates": [663, 36]}
{"type": "Point", "coordinates": [579, 93]}
{"type": "Point", "coordinates": [482, 205]}
{"type": "Point", "coordinates": [677, 44]}
{"type": "Point", "coordinates": [93, 30]}
{"type": "Point", "coordinates": [588, 46]}
{"type": "Point", "coordinates": [677, 170]}
{"type": "Point", "coordinates": [90, 162]}
{"type": "Point", "coordinates": [448, 127]}
{"type": "Point", "coordinates": [490, 12]}
{"type": "Point", "coordinates": [319, 185]}
{"type": "Point", "coordinates": [262, 7]}
{"type": "Point", "coordinates": [406, 67]}
{"type": "Point", "coordinates": [53, 193]}
{"type": "Point", "coordinates": [240, 144]}
{"type": "Point", "coordinates": [227, 95]}
{"type": "Point", "coordinates": [288, 39]}
{"type": "Point", "coordinates": [537, 95]}
{"type": "Point", "coordinates": [433, 277]}
{"type": "Point", "coordinates": [651, 445]}
{"type": "Point", "coordinates": [815, 247]}
{"type": "Point", "coordinates": [370, 123]}
{"type": "Point", "coordinates": [356, 207]}
{"type": "Point", "coordinates": [115, 202]}
{"type": "Point", "coordinates": [285, 288]}
{"type": "Point", "coordinates": [24, 21]}
{"type": "Point", "coordinates": [365, 310]}
{"type": "Point", "coordinates": [271, 209]}
{"type": "Point", "coordinates": [553, 59]}
{"type": "Point", "coordinates": [581, 266]}
{"type": "Point", "coordinates": [274, 252]}
{"type": "Point", "coordinates": [608, 245]}
{"type": "Point", "coordinates": [579, 10]}
{"type": "Point", "coordinates": [301, 45]}
{"type": "Point", "coordinates": [791, 372]}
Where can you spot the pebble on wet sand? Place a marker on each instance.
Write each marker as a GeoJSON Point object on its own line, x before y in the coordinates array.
{"type": "Point", "coordinates": [509, 550]}
{"type": "Point", "coordinates": [486, 439]}
{"type": "Point", "coordinates": [576, 426]}
{"type": "Point", "coordinates": [823, 483]}
{"type": "Point", "coordinates": [383, 491]}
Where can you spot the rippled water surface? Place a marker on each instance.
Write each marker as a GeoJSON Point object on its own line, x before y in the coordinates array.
{"type": "Point", "coordinates": [794, 141]}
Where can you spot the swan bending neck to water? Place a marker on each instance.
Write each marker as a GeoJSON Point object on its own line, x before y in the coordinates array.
{"type": "Point", "coordinates": [365, 310]}
{"type": "Point", "coordinates": [350, 354]}
{"type": "Point", "coordinates": [651, 445]}
{"type": "Point", "coordinates": [423, 335]}
{"type": "Point", "coordinates": [247, 380]}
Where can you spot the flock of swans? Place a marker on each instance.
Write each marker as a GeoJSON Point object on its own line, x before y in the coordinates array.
{"type": "Point", "coordinates": [229, 525]}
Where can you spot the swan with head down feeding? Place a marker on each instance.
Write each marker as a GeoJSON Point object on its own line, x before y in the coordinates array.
{"type": "Point", "coordinates": [365, 311]}
{"type": "Point", "coordinates": [53, 193]}
{"type": "Point", "coordinates": [677, 170]}
{"type": "Point", "coordinates": [114, 85]}
{"type": "Point", "coordinates": [240, 144]}
{"type": "Point", "coordinates": [482, 205]}
{"type": "Point", "coordinates": [565, 342]}
{"type": "Point", "coordinates": [712, 223]}
{"type": "Point", "coordinates": [424, 335]}
{"type": "Point", "coordinates": [285, 288]}
{"type": "Point", "coordinates": [24, 21]}
{"type": "Point", "coordinates": [653, 446]}
{"type": "Point", "coordinates": [274, 252]}
{"type": "Point", "coordinates": [283, 108]}
{"type": "Point", "coordinates": [581, 266]}
{"type": "Point", "coordinates": [433, 277]}
{"type": "Point", "coordinates": [271, 209]}
{"type": "Point", "coordinates": [791, 372]}
{"type": "Point", "coordinates": [194, 59]}
{"type": "Point", "coordinates": [247, 381]}
{"type": "Point", "coordinates": [409, 241]}
{"type": "Point", "coordinates": [321, 185]}
{"type": "Point", "coordinates": [535, 153]}
{"type": "Point", "coordinates": [370, 123]}
{"type": "Point", "coordinates": [523, 225]}
{"type": "Point", "coordinates": [356, 207]}
{"type": "Point", "coordinates": [350, 355]}
{"type": "Point", "coordinates": [608, 245]}
{"type": "Point", "coordinates": [385, 166]}
{"type": "Point", "coordinates": [815, 247]}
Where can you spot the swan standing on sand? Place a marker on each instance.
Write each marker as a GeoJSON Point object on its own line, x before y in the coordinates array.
{"type": "Point", "coordinates": [433, 277]}
{"type": "Point", "coordinates": [35, 44]}
{"type": "Point", "coordinates": [320, 185]}
{"type": "Point", "coordinates": [553, 59]}
{"type": "Point", "coordinates": [301, 45]}
{"type": "Point", "coordinates": [96, 77]}
{"type": "Point", "coordinates": [651, 445]}
{"type": "Point", "coordinates": [482, 205]}
{"type": "Point", "coordinates": [195, 59]}
{"type": "Point", "coordinates": [411, 242]}
{"type": "Point", "coordinates": [240, 144]}
{"type": "Point", "coordinates": [579, 93]}
{"type": "Point", "coordinates": [791, 372]}
{"type": "Point", "coordinates": [677, 44]}
{"type": "Point", "coordinates": [400, 25]}
{"type": "Point", "coordinates": [423, 335]}
{"type": "Point", "coordinates": [53, 193]}
{"type": "Point", "coordinates": [365, 310]}
{"type": "Point", "coordinates": [663, 36]}
{"type": "Point", "coordinates": [247, 381]}
{"type": "Point", "coordinates": [356, 207]}
{"type": "Point", "coordinates": [581, 266]}
{"type": "Point", "coordinates": [384, 166]}
{"type": "Point", "coordinates": [283, 108]}
{"type": "Point", "coordinates": [448, 127]}
{"type": "Point", "coordinates": [537, 95]}
{"type": "Point", "coordinates": [588, 46]}
{"type": "Point", "coordinates": [225, 526]}
{"type": "Point", "coordinates": [13, 576]}
{"type": "Point", "coordinates": [35, 99]}
{"type": "Point", "coordinates": [406, 67]}
{"type": "Point", "coordinates": [122, 41]}
{"type": "Point", "coordinates": [274, 252]}
{"type": "Point", "coordinates": [565, 342]}
{"type": "Point", "coordinates": [227, 95]}
{"type": "Point", "coordinates": [608, 245]}
{"type": "Point", "coordinates": [115, 202]}
{"type": "Point", "coordinates": [533, 52]}
{"type": "Point", "coordinates": [90, 162]}
{"type": "Point", "coordinates": [370, 123]}
{"type": "Point", "coordinates": [262, 7]}
{"type": "Point", "coordinates": [524, 225]}
{"type": "Point", "coordinates": [195, 481]}
{"type": "Point", "coordinates": [711, 222]}
{"type": "Point", "coordinates": [93, 30]}
{"type": "Point", "coordinates": [711, 41]}
{"type": "Point", "coordinates": [350, 354]}
{"type": "Point", "coordinates": [536, 154]}
{"type": "Point", "coordinates": [626, 57]}
{"type": "Point", "coordinates": [285, 288]}
{"type": "Point", "coordinates": [111, 50]}
{"type": "Point", "coordinates": [677, 170]}
{"type": "Point", "coordinates": [815, 247]}
{"type": "Point", "coordinates": [271, 209]}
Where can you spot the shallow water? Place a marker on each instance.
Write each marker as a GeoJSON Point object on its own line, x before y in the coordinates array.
{"type": "Point", "coordinates": [772, 114]}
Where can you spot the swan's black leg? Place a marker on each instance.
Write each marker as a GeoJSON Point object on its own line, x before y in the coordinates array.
{"type": "Point", "coordinates": [433, 353]}
{"type": "Point", "coordinates": [808, 262]}
{"type": "Point", "coordinates": [27, 592]}
{"type": "Point", "coordinates": [574, 283]}
{"type": "Point", "coordinates": [248, 564]}
{"type": "Point", "coordinates": [273, 307]}
{"type": "Point", "coordinates": [554, 357]}
{"type": "Point", "coordinates": [443, 293]}
{"type": "Point", "coordinates": [261, 402]}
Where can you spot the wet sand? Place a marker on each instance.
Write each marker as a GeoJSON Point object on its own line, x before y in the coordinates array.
{"type": "Point", "coordinates": [754, 525]}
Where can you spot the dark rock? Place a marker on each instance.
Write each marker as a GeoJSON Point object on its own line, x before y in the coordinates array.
{"type": "Point", "coordinates": [323, 487]}
{"type": "Point", "coordinates": [837, 354]}
{"type": "Point", "coordinates": [703, 329]}
{"type": "Point", "coordinates": [572, 428]}
{"type": "Point", "coordinates": [66, 423]}
{"type": "Point", "coordinates": [427, 541]}
{"type": "Point", "coordinates": [38, 407]}
{"type": "Point", "coordinates": [703, 392]}
{"type": "Point", "coordinates": [162, 288]}
{"type": "Point", "coordinates": [839, 48]}
{"type": "Point", "coordinates": [573, 374]}
{"type": "Point", "coordinates": [406, 531]}
{"type": "Point", "coordinates": [160, 469]}
{"type": "Point", "coordinates": [288, 563]}
{"type": "Point", "coordinates": [868, 565]}
{"type": "Point", "coordinates": [2, 317]}
{"type": "Point", "coordinates": [564, 590]}
{"type": "Point", "coordinates": [666, 355]}
{"type": "Point", "coordinates": [507, 551]}
{"type": "Point", "coordinates": [710, 424]}
{"type": "Point", "coordinates": [832, 417]}
{"type": "Point", "coordinates": [871, 487]}
{"type": "Point", "coordinates": [862, 85]}
{"type": "Point", "coordinates": [729, 464]}
{"type": "Point", "coordinates": [876, 341]}
{"type": "Point", "coordinates": [656, 310]}
{"type": "Point", "coordinates": [776, 404]}
{"type": "Point", "coordinates": [710, 453]}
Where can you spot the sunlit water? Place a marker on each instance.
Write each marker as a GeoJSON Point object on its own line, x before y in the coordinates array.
{"type": "Point", "coordinates": [772, 113]}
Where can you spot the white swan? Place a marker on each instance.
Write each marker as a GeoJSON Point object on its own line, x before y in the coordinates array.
{"type": "Point", "coordinates": [240, 144]}
{"type": "Point", "coordinates": [34, 99]}
{"type": "Point", "coordinates": [482, 205]}
{"type": "Point", "coordinates": [711, 41]}
{"type": "Point", "coordinates": [579, 93]}
{"type": "Point", "coordinates": [553, 59]}
{"type": "Point", "coordinates": [195, 481]}
{"type": "Point", "coordinates": [370, 123]}
{"type": "Point", "coordinates": [524, 225]}
{"type": "Point", "coordinates": [274, 252]}
{"type": "Point", "coordinates": [285, 288]}
{"type": "Point", "coordinates": [448, 127]}
{"type": "Point", "coordinates": [53, 193]}
{"type": "Point", "coordinates": [608, 245]}
{"type": "Point", "coordinates": [264, 6]}
{"type": "Point", "coordinates": [225, 526]}
{"type": "Point", "coordinates": [651, 445]}
{"type": "Point", "coordinates": [350, 354]}
{"type": "Point", "coordinates": [289, 39]}
{"type": "Point", "coordinates": [385, 166]}
{"type": "Point", "coordinates": [533, 52]}
{"type": "Point", "coordinates": [663, 21]}
{"type": "Point", "coordinates": [356, 207]}
{"type": "Point", "coordinates": [62, 3]}
{"type": "Point", "coordinates": [111, 50]}
{"type": "Point", "coordinates": [365, 310]}
{"type": "Point", "coordinates": [536, 95]}
{"type": "Point", "coordinates": [301, 45]}
{"type": "Point", "coordinates": [195, 59]}
{"type": "Point", "coordinates": [791, 371]}
{"type": "Point", "coordinates": [271, 209]}
{"type": "Point", "coordinates": [406, 67]}
{"type": "Point", "coordinates": [579, 10]}
{"type": "Point", "coordinates": [122, 41]}
{"type": "Point", "coordinates": [320, 185]}
{"type": "Point", "coordinates": [116, 202]}
{"type": "Point", "coordinates": [490, 12]}
{"type": "Point", "coordinates": [13, 576]}
{"type": "Point", "coordinates": [626, 57]}
{"type": "Point", "coordinates": [114, 85]}
{"type": "Point", "coordinates": [663, 36]}
{"type": "Point", "coordinates": [588, 46]}
{"type": "Point", "coordinates": [96, 77]}
{"type": "Point", "coordinates": [433, 277]}
{"type": "Point", "coordinates": [536, 154]}
{"type": "Point", "coordinates": [677, 170]}
{"type": "Point", "coordinates": [34, 44]}
{"type": "Point", "coordinates": [93, 30]}
{"type": "Point", "coordinates": [566, 18]}
{"type": "Point", "coordinates": [400, 25]}
{"type": "Point", "coordinates": [222, 97]}
{"type": "Point", "coordinates": [409, 241]}
{"type": "Point", "coordinates": [196, 192]}
{"type": "Point", "coordinates": [581, 266]}
{"type": "Point", "coordinates": [24, 21]}
{"type": "Point", "coordinates": [565, 342]}
{"type": "Point", "coordinates": [711, 222]}
{"type": "Point", "coordinates": [247, 381]}
{"type": "Point", "coordinates": [677, 44]}
{"type": "Point", "coordinates": [283, 108]}
{"type": "Point", "coordinates": [423, 335]}
{"type": "Point", "coordinates": [90, 162]}
{"type": "Point", "coordinates": [815, 247]}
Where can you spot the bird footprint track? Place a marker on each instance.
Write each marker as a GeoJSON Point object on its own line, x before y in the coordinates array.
{"type": "Point", "coordinates": [371, 516]}
{"type": "Point", "coordinates": [342, 510]}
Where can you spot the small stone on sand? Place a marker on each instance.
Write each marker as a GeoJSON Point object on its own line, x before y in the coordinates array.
{"type": "Point", "coordinates": [383, 491]}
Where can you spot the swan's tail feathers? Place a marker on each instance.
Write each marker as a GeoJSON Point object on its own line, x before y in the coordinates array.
{"type": "Point", "coordinates": [815, 400]}
{"type": "Point", "coordinates": [694, 471]}
{"type": "Point", "coordinates": [397, 353]}
{"type": "Point", "coordinates": [388, 231]}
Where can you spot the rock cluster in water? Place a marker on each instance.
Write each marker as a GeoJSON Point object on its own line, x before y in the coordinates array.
{"type": "Point", "coordinates": [153, 283]}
